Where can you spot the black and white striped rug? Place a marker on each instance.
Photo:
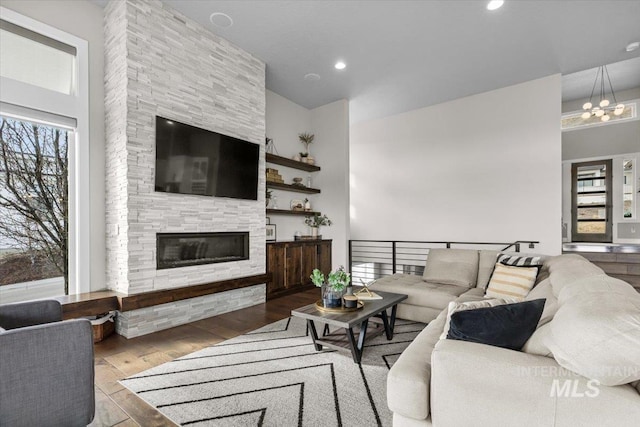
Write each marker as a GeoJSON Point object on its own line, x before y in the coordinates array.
{"type": "Point", "coordinates": [274, 377]}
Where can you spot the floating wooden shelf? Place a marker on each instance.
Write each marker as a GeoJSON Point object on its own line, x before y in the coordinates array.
{"type": "Point", "coordinates": [290, 187]}
{"type": "Point", "coordinates": [290, 212]}
{"type": "Point", "coordinates": [283, 161]}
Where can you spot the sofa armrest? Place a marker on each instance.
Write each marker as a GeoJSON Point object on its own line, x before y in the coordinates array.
{"type": "Point", "coordinates": [476, 384]}
{"type": "Point", "coordinates": [47, 375]}
{"type": "Point", "coordinates": [30, 313]}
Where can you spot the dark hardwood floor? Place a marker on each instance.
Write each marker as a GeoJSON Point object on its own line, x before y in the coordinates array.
{"type": "Point", "coordinates": [117, 357]}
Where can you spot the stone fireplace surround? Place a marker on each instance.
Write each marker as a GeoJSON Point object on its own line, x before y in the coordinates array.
{"type": "Point", "coordinates": [159, 62]}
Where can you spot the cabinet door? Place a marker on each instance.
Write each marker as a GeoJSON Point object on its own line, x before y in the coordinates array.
{"type": "Point", "coordinates": [309, 262]}
{"type": "Point", "coordinates": [324, 256]}
{"type": "Point", "coordinates": [293, 265]}
{"type": "Point", "coordinates": [276, 266]}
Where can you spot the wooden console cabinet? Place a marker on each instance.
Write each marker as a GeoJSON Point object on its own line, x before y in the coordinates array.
{"type": "Point", "coordinates": [291, 263]}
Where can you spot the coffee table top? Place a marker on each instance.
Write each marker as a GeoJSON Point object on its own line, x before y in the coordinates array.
{"type": "Point", "coordinates": [350, 319]}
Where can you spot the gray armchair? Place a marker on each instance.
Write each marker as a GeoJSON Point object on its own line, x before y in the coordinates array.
{"type": "Point", "coordinates": [46, 367]}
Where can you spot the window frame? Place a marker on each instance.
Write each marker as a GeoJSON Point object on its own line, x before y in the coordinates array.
{"type": "Point", "coordinates": [43, 101]}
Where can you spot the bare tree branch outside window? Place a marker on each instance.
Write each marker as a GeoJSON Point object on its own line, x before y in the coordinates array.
{"type": "Point", "coordinates": [34, 215]}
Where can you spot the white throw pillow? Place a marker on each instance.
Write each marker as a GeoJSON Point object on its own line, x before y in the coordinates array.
{"type": "Point", "coordinates": [454, 307]}
{"type": "Point", "coordinates": [511, 282]}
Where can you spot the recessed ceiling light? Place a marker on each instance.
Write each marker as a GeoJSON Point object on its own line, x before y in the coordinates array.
{"type": "Point", "coordinates": [312, 77]}
{"type": "Point", "coordinates": [221, 20]}
{"type": "Point", "coordinates": [340, 65]}
{"type": "Point", "coordinates": [632, 46]}
{"type": "Point", "coordinates": [495, 4]}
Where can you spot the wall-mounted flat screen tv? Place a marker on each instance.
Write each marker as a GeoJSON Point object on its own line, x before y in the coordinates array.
{"type": "Point", "coordinates": [190, 160]}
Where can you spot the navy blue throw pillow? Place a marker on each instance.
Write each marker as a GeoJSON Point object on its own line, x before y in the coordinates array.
{"type": "Point", "coordinates": [507, 326]}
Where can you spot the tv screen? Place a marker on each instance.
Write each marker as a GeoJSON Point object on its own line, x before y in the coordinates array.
{"type": "Point", "coordinates": [190, 160]}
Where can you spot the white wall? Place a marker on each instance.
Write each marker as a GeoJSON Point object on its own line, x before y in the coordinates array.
{"type": "Point", "coordinates": [482, 168]}
{"type": "Point", "coordinates": [330, 125]}
{"type": "Point", "coordinates": [85, 20]}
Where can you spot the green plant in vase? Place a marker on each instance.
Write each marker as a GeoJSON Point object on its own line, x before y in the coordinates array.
{"type": "Point", "coordinates": [334, 287]}
{"type": "Point", "coordinates": [316, 221]}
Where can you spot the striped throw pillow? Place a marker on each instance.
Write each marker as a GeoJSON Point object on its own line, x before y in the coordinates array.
{"type": "Point", "coordinates": [509, 281]}
{"type": "Point", "coordinates": [518, 260]}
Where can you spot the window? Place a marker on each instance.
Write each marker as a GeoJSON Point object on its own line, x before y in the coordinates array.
{"type": "Point", "coordinates": [44, 106]}
{"type": "Point", "coordinates": [591, 201]}
{"type": "Point", "coordinates": [628, 209]}
{"type": "Point", "coordinates": [34, 209]}
{"type": "Point", "coordinates": [35, 59]}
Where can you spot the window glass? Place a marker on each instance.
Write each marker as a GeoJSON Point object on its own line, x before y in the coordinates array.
{"type": "Point", "coordinates": [34, 210]}
{"type": "Point", "coordinates": [35, 59]}
{"type": "Point", "coordinates": [627, 191]}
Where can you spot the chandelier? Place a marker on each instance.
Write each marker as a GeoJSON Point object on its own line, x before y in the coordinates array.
{"type": "Point", "coordinates": [605, 108]}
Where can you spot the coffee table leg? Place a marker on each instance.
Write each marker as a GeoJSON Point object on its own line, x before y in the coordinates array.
{"type": "Point", "coordinates": [387, 328]}
{"type": "Point", "coordinates": [314, 334]}
{"type": "Point", "coordinates": [389, 324]}
{"type": "Point", "coordinates": [356, 348]}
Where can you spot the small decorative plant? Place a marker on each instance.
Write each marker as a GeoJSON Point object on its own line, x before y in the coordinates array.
{"type": "Point", "coordinates": [333, 289]}
{"type": "Point", "coordinates": [317, 278]}
{"type": "Point", "coordinates": [339, 280]}
{"type": "Point", "coordinates": [306, 139]}
{"type": "Point", "coordinates": [317, 220]}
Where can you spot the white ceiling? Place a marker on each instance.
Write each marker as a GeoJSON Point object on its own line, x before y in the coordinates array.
{"type": "Point", "coordinates": [403, 55]}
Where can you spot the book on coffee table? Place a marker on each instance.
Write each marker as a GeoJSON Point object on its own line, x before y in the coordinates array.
{"type": "Point", "coordinates": [368, 297]}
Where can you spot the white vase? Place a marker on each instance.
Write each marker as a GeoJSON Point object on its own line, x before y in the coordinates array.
{"type": "Point", "coordinates": [314, 231]}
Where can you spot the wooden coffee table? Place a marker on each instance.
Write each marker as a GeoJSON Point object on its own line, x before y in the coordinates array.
{"type": "Point", "coordinates": [352, 322]}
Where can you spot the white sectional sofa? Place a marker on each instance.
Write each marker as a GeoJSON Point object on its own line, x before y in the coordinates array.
{"type": "Point", "coordinates": [581, 367]}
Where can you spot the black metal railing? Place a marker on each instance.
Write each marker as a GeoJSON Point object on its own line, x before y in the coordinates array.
{"type": "Point", "coordinates": [372, 259]}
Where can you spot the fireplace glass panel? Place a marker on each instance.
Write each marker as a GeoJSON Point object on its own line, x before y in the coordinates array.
{"type": "Point", "coordinates": [185, 249]}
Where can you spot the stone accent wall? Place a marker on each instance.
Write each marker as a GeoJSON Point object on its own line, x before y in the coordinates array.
{"type": "Point", "coordinates": [160, 62]}
{"type": "Point", "coordinates": [134, 323]}
{"type": "Point", "coordinates": [116, 189]}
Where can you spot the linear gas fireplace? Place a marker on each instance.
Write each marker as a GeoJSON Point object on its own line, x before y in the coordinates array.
{"type": "Point", "coordinates": [184, 249]}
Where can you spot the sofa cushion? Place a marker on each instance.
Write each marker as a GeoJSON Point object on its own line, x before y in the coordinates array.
{"type": "Point", "coordinates": [570, 268]}
{"type": "Point", "coordinates": [520, 260]}
{"type": "Point", "coordinates": [507, 326]}
{"type": "Point", "coordinates": [452, 267]}
{"type": "Point", "coordinates": [510, 281]}
{"type": "Point", "coordinates": [409, 380]}
{"type": "Point", "coordinates": [419, 292]}
{"type": "Point", "coordinates": [486, 263]}
{"type": "Point", "coordinates": [538, 343]}
{"type": "Point", "coordinates": [456, 306]}
{"type": "Point", "coordinates": [596, 331]}
{"type": "Point", "coordinates": [544, 290]}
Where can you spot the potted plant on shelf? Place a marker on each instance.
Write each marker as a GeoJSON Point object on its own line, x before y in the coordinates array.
{"type": "Point", "coordinates": [306, 139]}
{"type": "Point", "coordinates": [316, 221]}
{"type": "Point", "coordinates": [333, 290]}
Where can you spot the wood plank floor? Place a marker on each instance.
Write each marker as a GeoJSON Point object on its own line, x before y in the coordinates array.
{"type": "Point", "coordinates": [117, 357]}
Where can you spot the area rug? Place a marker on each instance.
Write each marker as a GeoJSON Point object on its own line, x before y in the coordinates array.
{"type": "Point", "coordinates": [274, 377]}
